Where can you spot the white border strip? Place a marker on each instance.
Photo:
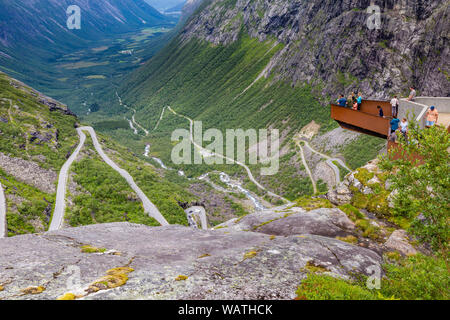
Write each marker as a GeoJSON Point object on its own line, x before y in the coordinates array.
{"type": "Point", "coordinates": [3, 228]}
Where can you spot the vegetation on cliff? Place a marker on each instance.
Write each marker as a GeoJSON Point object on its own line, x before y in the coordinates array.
{"type": "Point", "coordinates": [412, 278]}
{"type": "Point", "coordinates": [412, 192]}
{"type": "Point", "coordinates": [422, 186]}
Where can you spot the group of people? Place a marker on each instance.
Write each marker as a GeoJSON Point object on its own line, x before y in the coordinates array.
{"type": "Point", "coordinates": [353, 101]}
{"type": "Point", "coordinates": [398, 126]}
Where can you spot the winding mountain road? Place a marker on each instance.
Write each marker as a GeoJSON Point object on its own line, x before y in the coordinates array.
{"type": "Point", "coordinates": [201, 149]}
{"type": "Point", "coordinates": [60, 204]}
{"type": "Point", "coordinates": [308, 170]}
{"type": "Point", "coordinates": [58, 215]}
{"type": "Point", "coordinates": [205, 151]}
{"type": "Point", "coordinates": [330, 162]}
{"type": "Point", "coordinates": [3, 228]}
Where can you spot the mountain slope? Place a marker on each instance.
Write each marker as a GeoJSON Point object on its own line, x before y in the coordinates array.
{"type": "Point", "coordinates": [328, 44]}
{"type": "Point", "coordinates": [22, 22]}
{"type": "Point", "coordinates": [37, 47]}
{"type": "Point", "coordinates": [255, 64]}
{"type": "Point", "coordinates": [329, 41]}
{"type": "Point", "coordinates": [37, 135]}
{"type": "Point", "coordinates": [217, 85]}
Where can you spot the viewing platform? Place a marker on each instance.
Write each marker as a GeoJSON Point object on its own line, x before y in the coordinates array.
{"type": "Point", "coordinates": [366, 120]}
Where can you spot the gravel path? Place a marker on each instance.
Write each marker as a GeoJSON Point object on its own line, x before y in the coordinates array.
{"type": "Point", "coordinates": [3, 228]}
{"type": "Point", "coordinates": [308, 170]}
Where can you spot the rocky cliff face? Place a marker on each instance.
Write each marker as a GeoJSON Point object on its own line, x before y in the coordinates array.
{"type": "Point", "coordinates": [328, 42]}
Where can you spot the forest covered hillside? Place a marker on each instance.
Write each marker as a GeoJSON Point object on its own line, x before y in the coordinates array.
{"type": "Point", "coordinates": [71, 49]}
{"type": "Point", "coordinates": [37, 136]}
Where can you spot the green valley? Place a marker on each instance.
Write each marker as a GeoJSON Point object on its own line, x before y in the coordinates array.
{"type": "Point", "coordinates": [199, 151]}
{"type": "Point", "coordinates": [225, 87]}
{"type": "Point", "coordinates": [73, 65]}
{"type": "Point", "coordinates": [38, 134]}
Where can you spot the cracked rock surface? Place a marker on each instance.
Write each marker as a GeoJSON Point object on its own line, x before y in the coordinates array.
{"type": "Point", "coordinates": [295, 221]}
{"type": "Point", "coordinates": [216, 264]}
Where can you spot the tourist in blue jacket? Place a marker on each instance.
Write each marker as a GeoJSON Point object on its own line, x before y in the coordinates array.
{"type": "Point", "coordinates": [395, 123]}
{"type": "Point", "coordinates": [342, 102]}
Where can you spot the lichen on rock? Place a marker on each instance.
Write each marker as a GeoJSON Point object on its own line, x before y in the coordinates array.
{"type": "Point", "coordinates": [91, 249]}
{"type": "Point", "coordinates": [114, 278]}
{"type": "Point", "coordinates": [272, 269]}
{"type": "Point", "coordinates": [68, 296]}
{"type": "Point", "coordinates": [33, 290]}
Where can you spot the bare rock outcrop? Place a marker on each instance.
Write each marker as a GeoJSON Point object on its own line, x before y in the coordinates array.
{"type": "Point", "coordinates": [398, 241]}
{"type": "Point", "coordinates": [294, 221]}
{"type": "Point", "coordinates": [171, 262]}
{"type": "Point", "coordinates": [343, 194]}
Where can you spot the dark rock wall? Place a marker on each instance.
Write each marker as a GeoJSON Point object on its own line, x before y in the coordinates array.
{"type": "Point", "coordinates": [329, 43]}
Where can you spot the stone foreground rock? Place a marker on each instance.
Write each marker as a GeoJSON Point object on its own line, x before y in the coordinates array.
{"type": "Point", "coordinates": [213, 264]}
{"type": "Point", "coordinates": [295, 221]}
{"type": "Point", "coordinates": [398, 241]}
